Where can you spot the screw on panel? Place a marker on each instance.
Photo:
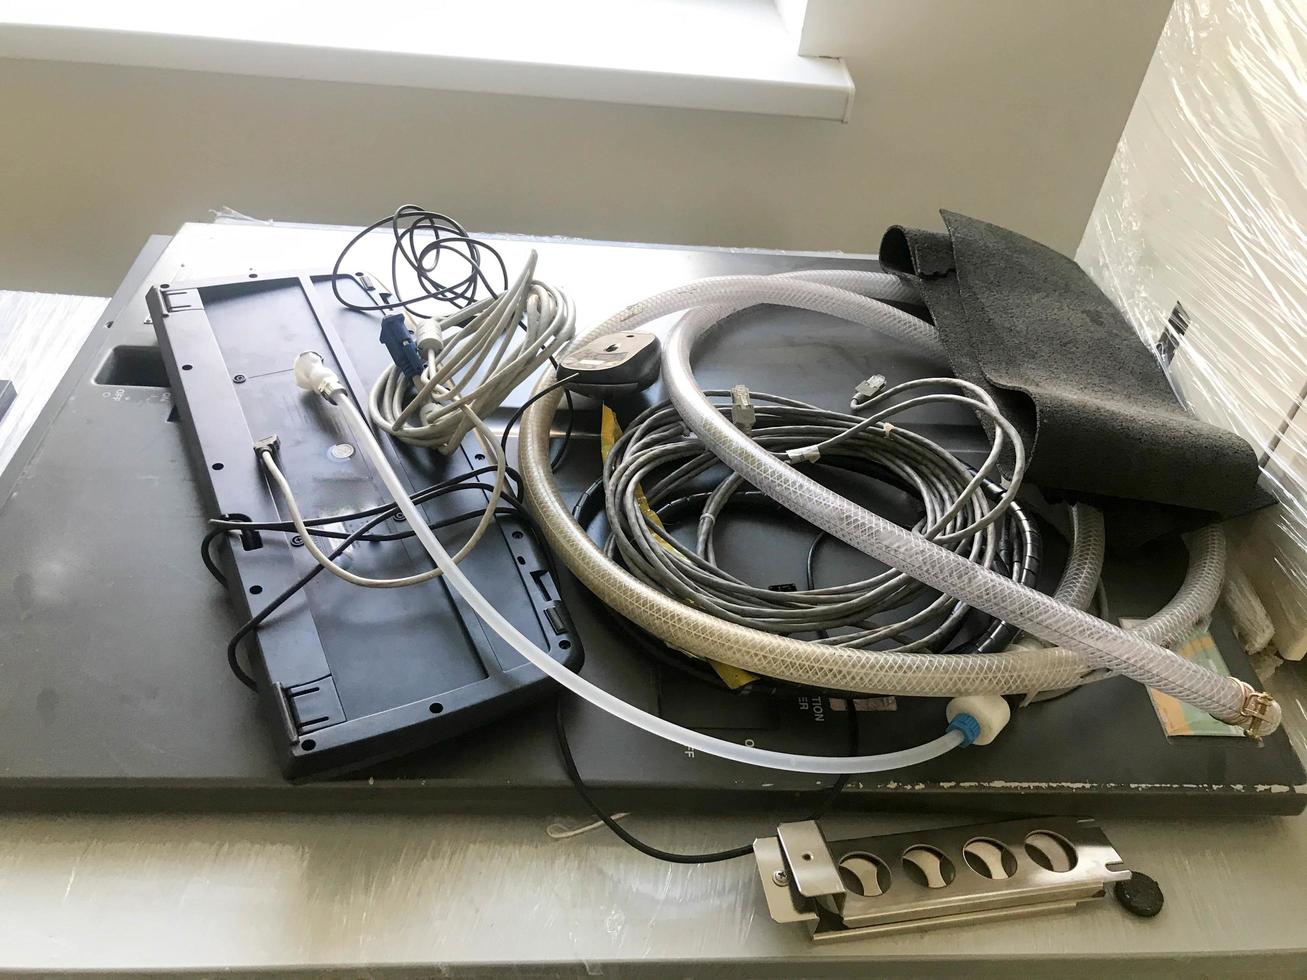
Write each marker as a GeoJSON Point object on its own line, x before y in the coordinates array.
{"type": "Point", "coordinates": [781, 878]}
{"type": "Point", "coordinates": [341, 450]}
{"type": "Point", "coordinates": [239, 379]}
{"type": "Point", "coordinates": [296, 541]}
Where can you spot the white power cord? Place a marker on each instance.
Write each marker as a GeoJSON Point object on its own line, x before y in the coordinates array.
{"type": "Point", "coordinates": [473, 359]}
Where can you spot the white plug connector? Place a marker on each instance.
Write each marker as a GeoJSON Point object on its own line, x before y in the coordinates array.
{"type": "Point", "coordinates": [427, 334]}
{"type": "Point", "coordinates": [989, 711]}
{"type": "Point", "coordinates": [312, 374]}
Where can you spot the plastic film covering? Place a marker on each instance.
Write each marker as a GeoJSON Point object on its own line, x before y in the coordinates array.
{"type": "Point", "coordinates": [1200, 237]}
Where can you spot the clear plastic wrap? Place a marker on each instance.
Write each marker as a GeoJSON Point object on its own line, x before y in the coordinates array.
{"type": "Point", "coordinates": [1200, 237]}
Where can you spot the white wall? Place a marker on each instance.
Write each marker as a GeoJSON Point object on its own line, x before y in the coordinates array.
{"type": "Point", "coordinates": [1007, 109]}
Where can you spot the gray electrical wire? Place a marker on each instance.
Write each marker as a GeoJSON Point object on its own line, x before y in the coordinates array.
{"type": "Point", "coordinates": [473, 359]}
{"type": "Point", "coordinates": [659, 464]}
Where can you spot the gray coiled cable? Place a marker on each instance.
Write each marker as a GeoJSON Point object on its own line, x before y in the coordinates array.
{"type": "Point", "coordinates": [963, 509]}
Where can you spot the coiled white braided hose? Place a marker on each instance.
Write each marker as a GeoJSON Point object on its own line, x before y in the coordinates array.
{"type": "Point", "coordinates": [1084, 643]}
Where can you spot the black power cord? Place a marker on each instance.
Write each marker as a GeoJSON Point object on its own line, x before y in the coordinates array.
{"type": "Point", "coordinates": [233, 645]}
{"type": "Point", "coordinates": [829, 795]}
{"type": "Point", "coordinates": [222, 526]}
{"type": "Point", "coordinates": [377, 515]}
{"type": "Point", "coordinates": [678, 660]}
{"type": "Point", "coordinates": [448, 239]}
{"type": "Point", "coordinates": [557, 460]}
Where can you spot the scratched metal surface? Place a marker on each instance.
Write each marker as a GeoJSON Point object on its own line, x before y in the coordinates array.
{"type": "Point", "coordinates": [467, 894]}
{"type": "Point", "coordinates": [459, 894]}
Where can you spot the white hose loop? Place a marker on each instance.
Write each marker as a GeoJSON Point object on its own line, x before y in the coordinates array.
{"type": "Point", "coordinates": [1084, 562]}
{"type": "Point", "coordinates": [1084, 642]}
{"type": "Point", "coordinates": [793, 290]}
{"type": "Point", "coordinates": [1199, 593]}
{"type": "Point", "coordinates": [1196, 597]}
{"type": "Point", "coordinates": [796, 661]}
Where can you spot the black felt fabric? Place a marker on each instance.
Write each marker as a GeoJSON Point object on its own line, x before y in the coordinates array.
{"type": "Point", "coordinates": [1096, 413]}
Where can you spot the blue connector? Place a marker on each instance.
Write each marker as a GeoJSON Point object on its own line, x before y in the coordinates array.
{"type": "Point", "coordinates": [402, 349]}
{"type": "Point", "coordinates": [967, 725]}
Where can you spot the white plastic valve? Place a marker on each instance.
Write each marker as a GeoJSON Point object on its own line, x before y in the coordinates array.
{"type": "Point", "coordinates": [312, 374]}
{"type": "Point", "coordinates": [991, 712]}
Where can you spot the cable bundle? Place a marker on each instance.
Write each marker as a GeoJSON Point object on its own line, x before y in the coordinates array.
{"type": "Point", "coordinates": [473, 359]}
{"type": "Point", "coordinates": [658, 471]}
{"type": "Point", "coordinates": [423, 239]}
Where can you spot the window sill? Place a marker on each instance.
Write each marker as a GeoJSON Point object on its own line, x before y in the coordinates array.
{"type": "Point", "coordinates": [730, 55]}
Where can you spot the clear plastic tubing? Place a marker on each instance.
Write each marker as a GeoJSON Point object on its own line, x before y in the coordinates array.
{"type": "Point", "coordinates": [600, 698]}
{"type": "Point", "coordinates": [1192, 602]}
{"type": "Point", "coordinates": [1084, 563]}
{"type": "Point", "coordinates": [1103, 644]}
{"type": "Point", "coordinates": [1198, 594]}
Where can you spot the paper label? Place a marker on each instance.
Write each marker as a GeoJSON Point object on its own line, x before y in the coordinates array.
{"type": "Point", "coordinates": [1178, 718]}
